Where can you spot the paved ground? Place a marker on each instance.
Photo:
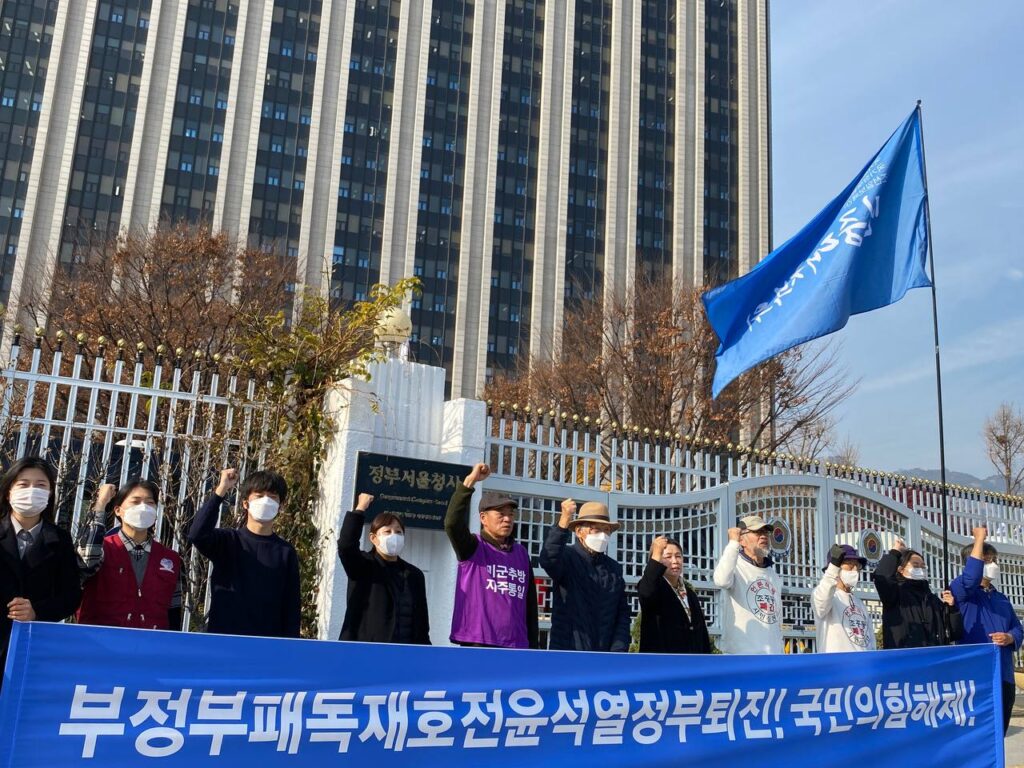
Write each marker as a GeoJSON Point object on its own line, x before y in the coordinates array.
{"type": "Point", "coordinates": [1014, 744]}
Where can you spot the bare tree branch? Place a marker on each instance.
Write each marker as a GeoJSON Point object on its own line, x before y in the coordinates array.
{"type": "Point", "coordinates": [649, 362]}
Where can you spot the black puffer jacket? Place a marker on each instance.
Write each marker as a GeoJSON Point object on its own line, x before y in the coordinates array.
{"type": "Point", "coordinates": [912, 615]}
{"type": "Point", "coordinates": [589, 609]}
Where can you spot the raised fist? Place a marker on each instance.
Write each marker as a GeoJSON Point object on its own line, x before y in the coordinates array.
{"type": "Point", "coordinates": [900, 545]}
{"type": "Point", "coordinates": [980, 533]}
{"type": "Point", "coordinates": [228, 481]}
{"type": "Point", "coordinates": [734, 534]}
{"type": "Point", "coordinates": [836, 555]}
{"type": "Point", "coordinates": [658, 547]}
{"type": "Point", "coordinates": [364, 501]}
{"type": "Point", "coordinates": [478, 473]}
{"type": "Point", "coordinates": [106, 492]}
{"type": "Point", "coordinates": [568, 510]}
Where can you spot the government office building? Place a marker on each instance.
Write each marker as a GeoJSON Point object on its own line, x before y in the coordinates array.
{"type": "Point", "coordinates": [515, 155]}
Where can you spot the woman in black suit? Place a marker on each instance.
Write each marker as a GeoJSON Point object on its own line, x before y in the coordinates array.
{"type": "Point", "coordinates": [38, 567]}
{"type": "Point", "coordinates": [387, 597]}
{"type": "Point", "coordinates": [671, 620]}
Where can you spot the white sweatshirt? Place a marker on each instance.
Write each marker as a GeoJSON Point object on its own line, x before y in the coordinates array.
{"type": "Point", "coordinates": [841, 619]}
{"type": "Point", "coordinates": [752, 610]}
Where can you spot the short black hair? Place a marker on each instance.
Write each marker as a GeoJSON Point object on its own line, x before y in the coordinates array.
{"type": "Point", "coordinates": [907, 554]}
{"type": "Point", "coordinates": [264, 481]}
{"type": "Point", "coordinates": [386, 518]}
{"type": "Point", "coordinates": [8, 478]}
{"type": "Point", "coordinates": [987, 550]}
{"type": "Point", "coordinates": [126, 490]}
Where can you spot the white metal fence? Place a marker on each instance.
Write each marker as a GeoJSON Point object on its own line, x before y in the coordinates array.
{"type": "Point", "coordinates": [113, 413]}
{"type": "Point", "coordinates": [658, 484]}
{"type": "Point", "coordinates": [104, 415]}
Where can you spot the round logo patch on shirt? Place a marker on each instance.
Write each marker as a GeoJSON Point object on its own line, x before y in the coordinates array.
{"type": "Point", "coordinates": [855, 624]}
{"type": "Point", "coordinates": [761, 601]}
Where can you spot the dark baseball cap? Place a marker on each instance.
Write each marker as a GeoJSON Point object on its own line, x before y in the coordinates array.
{"type": "Point", "coordinates": [496, 500]}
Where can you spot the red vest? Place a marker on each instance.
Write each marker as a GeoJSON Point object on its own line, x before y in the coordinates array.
{"type": "Point", "coordinates": [114, 598]}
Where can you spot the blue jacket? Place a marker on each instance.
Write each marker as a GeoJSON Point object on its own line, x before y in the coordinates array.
{"type": "Point", "coordinates": [986, 611]}
{"type": "Point", "coordinates": [589, 609]}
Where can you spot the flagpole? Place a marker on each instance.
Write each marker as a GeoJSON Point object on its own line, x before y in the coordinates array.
{"type": "Point", "coordinates": [938, 363]}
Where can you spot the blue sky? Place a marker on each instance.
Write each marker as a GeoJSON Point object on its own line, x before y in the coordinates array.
{"type": "Point", "coordinates": [843, 77]}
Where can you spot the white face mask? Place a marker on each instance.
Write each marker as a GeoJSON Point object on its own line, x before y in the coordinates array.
{"type": "Point", "coordinates": [141, 517]}
{"type": "Point", "coordinates": [917, 574]}
{"type": "Point", "coordinates": [596, 542]}
{"type": "Point", "coordinates": [29, 501]}
{"type": "Point", "coordinates": [849, 578]}
{"type": "Point", "coordinates": [992, 572]}
{"type": "Point", "coordinates": [390, 544]}
{"type": "Point", "coordinates": [263, 509]}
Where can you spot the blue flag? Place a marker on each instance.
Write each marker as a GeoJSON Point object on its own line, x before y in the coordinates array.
{"type": "Point", "coordinates": [865, 250]}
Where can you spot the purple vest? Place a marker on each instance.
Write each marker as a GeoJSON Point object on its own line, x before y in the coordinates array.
{"type": "Point", "coordinates": [490, 597]}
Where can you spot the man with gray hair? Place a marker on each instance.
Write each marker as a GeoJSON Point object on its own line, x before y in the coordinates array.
{"type": "Point", "coordinates": [752, 610]}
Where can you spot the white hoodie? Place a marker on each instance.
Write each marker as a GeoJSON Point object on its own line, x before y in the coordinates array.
{"type": "Point", "coordinates": [752, 610]}
{"type": "Point", "coordinates": [841, 619]}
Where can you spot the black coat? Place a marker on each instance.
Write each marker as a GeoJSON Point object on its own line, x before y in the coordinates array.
{"type": "Point", "coordinates": [912, 615]}
{"type": "Point", "coordinates": [589, 609]}
{"type": "Point", "coordinates": [664, 625]}
{"type": "Point", "coordinates": [370, 614]}
{"type": "Point", "coordinates": [47, 577]}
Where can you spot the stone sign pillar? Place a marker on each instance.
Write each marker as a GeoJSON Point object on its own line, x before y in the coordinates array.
{"type": "Point", "coordinates": [400, 411]}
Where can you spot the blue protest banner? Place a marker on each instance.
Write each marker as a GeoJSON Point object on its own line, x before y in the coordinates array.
{"type": "Point", "coordinates": [114, 697]}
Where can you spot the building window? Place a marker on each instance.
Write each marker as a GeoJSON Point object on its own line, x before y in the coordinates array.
{"type": "Point", "coordinates": [185, 166]}
{"type": "Point", "coordinates": [213, 170]}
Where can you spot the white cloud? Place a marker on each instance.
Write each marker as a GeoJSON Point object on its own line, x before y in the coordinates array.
{"type": "Point", "coordinates": [1015, 274]}
{"type": "Point", "coordinates": [988, 345]}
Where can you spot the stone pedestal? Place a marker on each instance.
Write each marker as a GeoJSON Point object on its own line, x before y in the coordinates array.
{"type": "Point", "coordinates": [401, 411]}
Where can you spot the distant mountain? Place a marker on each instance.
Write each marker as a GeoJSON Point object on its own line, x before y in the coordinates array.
{"type": "Point", "coordinates": [991, 483]}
